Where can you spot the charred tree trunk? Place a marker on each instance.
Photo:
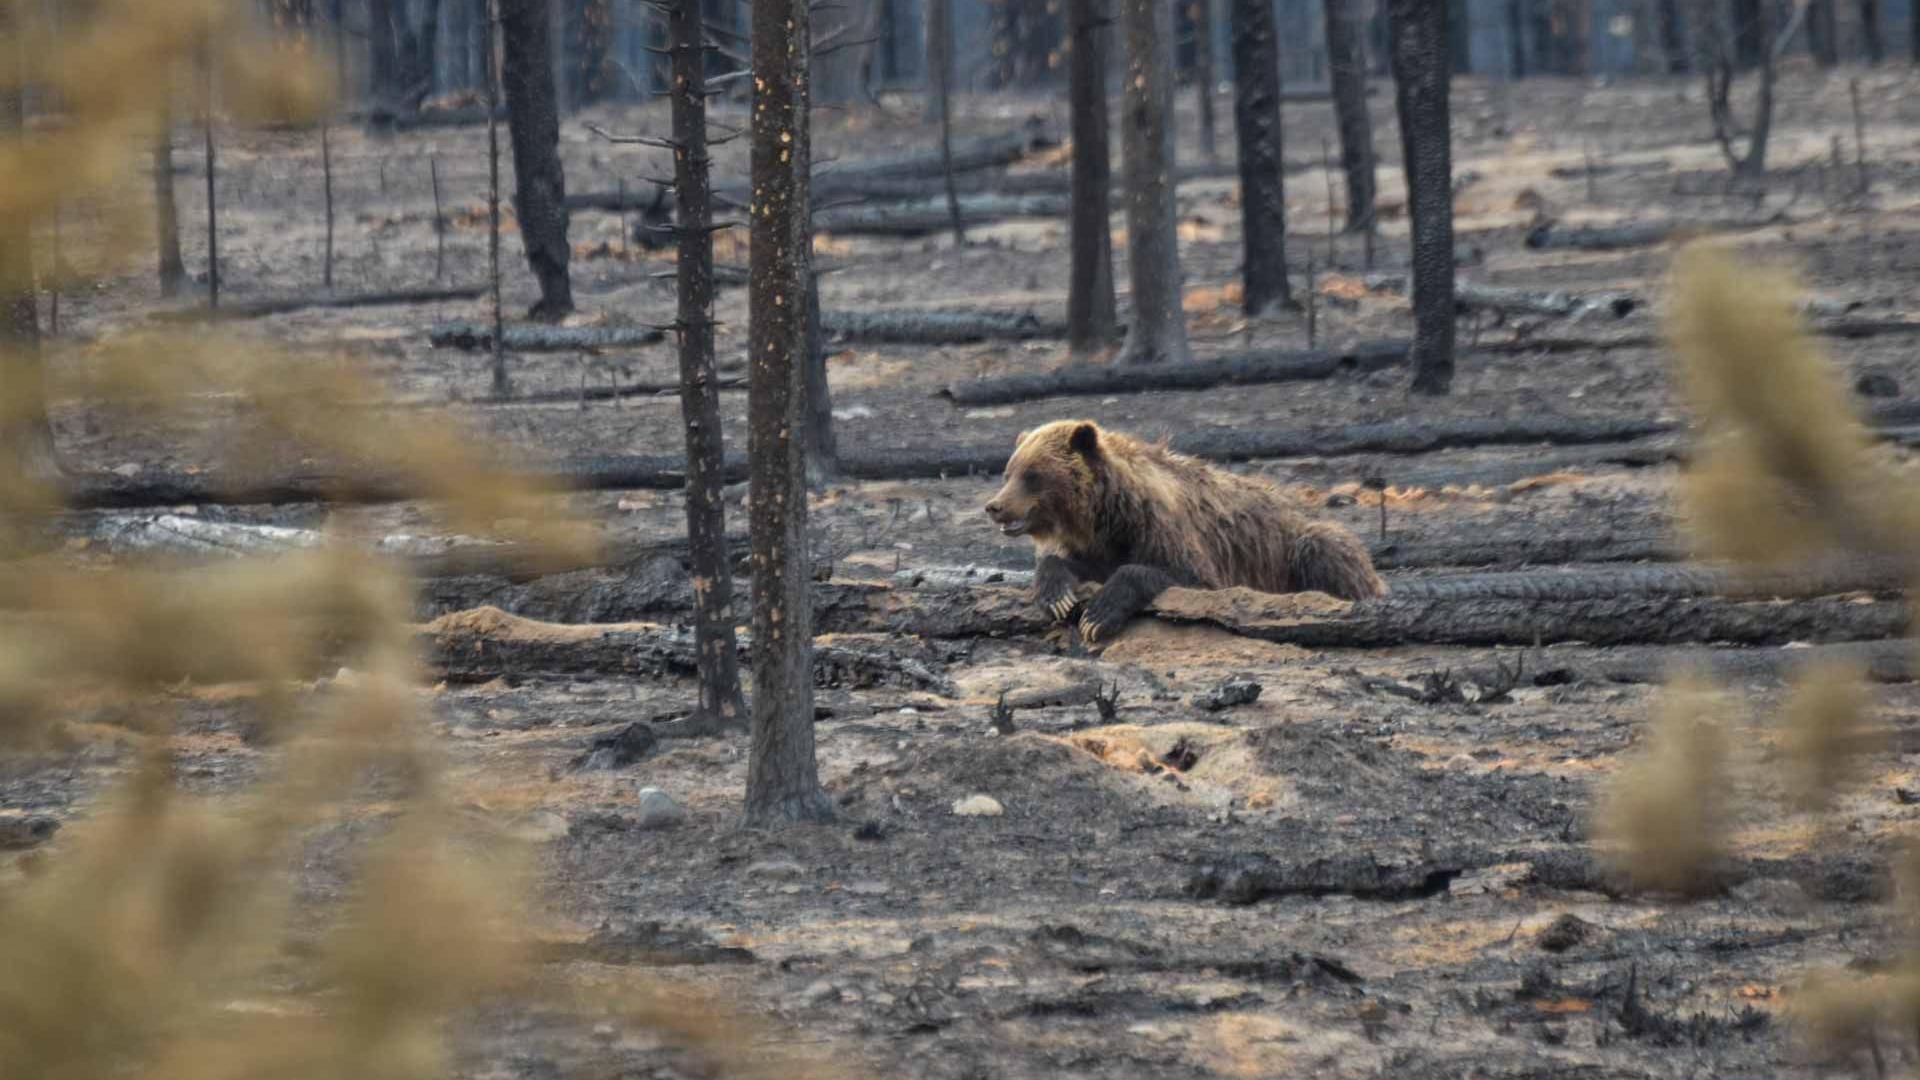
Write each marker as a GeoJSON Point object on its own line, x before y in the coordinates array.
{"type": "Point", "coordinates": [383, 55]}
{"type": "Point", "coordinates": [1516, 36]}
{"type": "Point", "coordinates": [1157, 333]}
{"type": "Point", "coordinates": [1673, 38]}
{"type": "Point", "coordinates": [1204, 77]}
{"type": "Point", "coordinates": [940, 79]}
{"type": "Point", "coordinates": [1749, 33]}
{"type": "Point", "coordinates": [1823, 33]}
{"type": "Point", "coordinates": [213, 173]}
{"type": "Point", "coordinates": [783, 782]}
{"type": "Point", "coordinates": [1092, 319]}
{"type": "Point", "coordinates": [823, 449]}
{"type": "Point", "coordinates": [166, 216]}
{"type": "Point", "coordinates": [1348, 76]}
{"type": "Point", "coordinates": [540, 189]}
{"type": "Point", "coordinates": [1872, 39]}
{"type": "Point", "coordinates": [1256, 121]}
{"type": "Point", "coordinates": [337, 16]}
{"type": "Point", "coordinates": [1459, 38]}
{"type": "Point", "coordinates": [1420, 92]}
{"type": "Point", "coordinates": [722, 705]}
{"type": "Point", "coordinates": [27, 458]}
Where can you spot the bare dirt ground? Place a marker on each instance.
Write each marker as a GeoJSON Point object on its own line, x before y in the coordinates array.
{"type": "Point", "coordinates": [1070, 935]}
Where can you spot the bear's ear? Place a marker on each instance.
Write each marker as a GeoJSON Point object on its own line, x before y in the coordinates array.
{"type": "Point", "coordinates": [1085, 441]}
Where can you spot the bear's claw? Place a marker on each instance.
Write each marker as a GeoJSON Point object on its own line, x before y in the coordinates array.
{"type": "Point", "coordinates": [1103, 620]}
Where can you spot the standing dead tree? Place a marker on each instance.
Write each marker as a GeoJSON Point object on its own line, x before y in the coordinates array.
{"type": "Point", "coordinates": [166, 215]}
{"type": "Point", "coordinates": [1092, 319]}
{"type": "Point", "coordinates": [1418, 32]}
{"type": "Point", "coordinates": [1157, 333]}
{"type": "Point", "coordinates": [1348, 76]}
{"type": "Point", "coordinates": [502, 386]}
{"type": "Point", "coordinates": [1872, 38]}
{"type": "Point", "coordinates": [1725, 46]}
{"type": "Point", "coordinates": [940, 79]}
{"type": "Point", "coordinates": [722, 707]}
{"type": "Point", "coordinates": [1204, 77]}
{"type": "Point", "coordinates": [1256, 122]}
{"type": "Point", "coordinates": [783, 779]}
{"type": "Point", "coordinates": [213, 168]}
{"type": "Point", "coordinates": [533, 119]}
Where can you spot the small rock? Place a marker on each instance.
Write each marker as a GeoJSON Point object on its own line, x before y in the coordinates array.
{"type": "Point", "coordinates": [1876, 384]}
{"type": "Point", "coordinates": [820, 991]}
{"type": "Point", "coordinates": [1229, 694]}
{"type": "Point", "coordinates": [869, 888]}
{"type": "Point", "coordinates": [131, 468]}
{"type": "Point", "coordinates": [658, 810]}
{"type": "Point", "coordinates": [1564, 933]}
{"type": "Point", "coordinates": [776, 868]}
{"type": "Point", "coordinates": [978, 806]}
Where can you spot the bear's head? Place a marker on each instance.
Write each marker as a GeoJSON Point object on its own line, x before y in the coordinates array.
{"type": "Point", "coordinates": [1049, 480]}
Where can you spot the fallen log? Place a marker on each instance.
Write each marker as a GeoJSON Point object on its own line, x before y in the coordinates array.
{"type": "Point", "coordinates": [939, 327]}
{"type": "Point", "coordinates": [1825, 578]}
{"type": "Point", "coordinates": [475, 337]}
{"type": "Point", "coordinates": [1845, 328]}
{"type": "Point", "coordinates": [1318, 622]}
{"type": "Point", "coordinates": [1532, 548]}
{"type": "Point", "coordinates": [1554, 236]}
{"type": "Point", "coordinates": [281, 305]}
{"type": "Point", "coordinates": [1468, 296]}
{"type": "Point", "coordinates": [832, 179]}
{"type": "Point", "coordinates": [924, 218]}
{"type": "Point", "coordinates": [1239, 370]}
{"type": "Point", "coordinates": [485, 644]}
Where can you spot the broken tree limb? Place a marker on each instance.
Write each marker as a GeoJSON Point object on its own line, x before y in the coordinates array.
{"type": "Point", "coordinates": [1240, 370]}
{"type": "Point", "coordinates": [928, 217]}
{"type": "Point", "coordinates": [1470, 295]}
{"type": "Point", "coordinates": [281, 305]}
{"type": "Point", "coordinates": [474, 337]}
{"type": "Point", "coordinates": [939, 327]}
{"type": "Point", "coordinates": [1554, 236]}
{"type": "Point", "coordinates": [487, 643]}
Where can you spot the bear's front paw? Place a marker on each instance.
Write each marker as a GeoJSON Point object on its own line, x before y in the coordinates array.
{"type": "Point", "coordinates": [1057, 602]}
{"type": "Point", "coordinates": [1106, 615]}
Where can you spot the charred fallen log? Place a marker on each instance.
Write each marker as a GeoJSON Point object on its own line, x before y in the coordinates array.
{"type": "Point", "coordinates": [1240, 370]}
{"type": "Point", "coordinates": [475, 337]}
{"type": "Point", "coordinates": [940, 327]}
{"type": "Point", "coordinates": [922, 218]}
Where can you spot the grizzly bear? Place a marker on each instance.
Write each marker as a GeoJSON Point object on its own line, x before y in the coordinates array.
{"type": "Point", "coordinates": [1103, 507]}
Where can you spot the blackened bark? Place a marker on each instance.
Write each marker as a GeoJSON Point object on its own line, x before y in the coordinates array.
{"type": "Point", "coordinates": [213, 171]}
{"type": "Point", "coordinates": [26, 438]}
{"type": "Point", "coordinates": [1092, 319]}
{"type": "Point", "coordinates": [1871, 37]}
{"type": "Point", "coordinates": [940, 79]}
{"type": "Point", "coordinates": [502, 386]}
{"type": "Point", "coordinates": [337, 16]}
{"type": "Point", "coordinates": [1419, 47]}
{"type": "Point", "coordinates": [1516, 37]}
{"type": "Point", "coordinates": [173, 272]}
{"type": "Point", "coordinates": [1673, 38]}
{"type": "Point", "coordinates": [383, 60]}
{"type": "Point", "coordinates": [721, 703]}
{"type": "Point", "coordinates": [1823, 33]}
{"type": "Point", "coordinates": [783, 781]}
{"type": "Point", "coordinates": [1749, 33]}
{"type": "Point", "coordinates": [1459, 37]}
{"type": "Point", "coordinates": [1256, 122]}
{"type": "Point", "coordinates": [823, 449]}
{"type": "Point", "coordinates": [1157, 333]}
{"type": "Point", "coordinates": [540, 198]}
{"type": "Point", "coordinates": [1348, 76]}
{"type": "Point", "coordinates": [1203, 75]}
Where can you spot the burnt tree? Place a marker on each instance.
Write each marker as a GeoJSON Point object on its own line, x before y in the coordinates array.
{"type": "Point", "coordinates": [1203, 75]}
{"type": "Point", "coordinates": [940, 83]}
{"type": "Point", "coordinates": [1673, 38]}
{"type": "Point", "coordinates": [27, 457]}
{"type": "Point", "coordinates": [1418, 43]}
{"type": "Point", "coordinates": [401, 40]}
{"type": "Point", "coordinates": [1157, 332]}
{"type": "Point", "coordinates": [533, 120]}
{"type": "Point", "coordinates": [783, 780]}
{"type": "Point", "coordinates": [1722, 58]}
{"type": "Point", "coordinates": [1347, 73]}
{"type": "Point", "coordinates": [166, 212]}
{"type": "Point", "coordinates": [1091, 317]}
{"type": "Point", "coordinates": [1749, 33]}
{"type": "Point", "coordinates": [1256, 123]}
{"type": "Point", "coordinates": [1823, 33]}
{"type": "Point", "coordinates": [722, 707]}
{"type": "Point", "coordinates": [1872, 41]}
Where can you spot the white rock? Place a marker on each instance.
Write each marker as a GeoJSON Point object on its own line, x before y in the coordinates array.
{"type": "Point", "coordinates": [978, 806]}
{"type": "Point", "coordinates": [776, 868]}
{"type": "Point", "coordinates": [658, 810]}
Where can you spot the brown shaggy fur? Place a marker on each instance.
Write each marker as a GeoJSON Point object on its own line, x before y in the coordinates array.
{"type": "Point", "coordinates": [1101, 501]}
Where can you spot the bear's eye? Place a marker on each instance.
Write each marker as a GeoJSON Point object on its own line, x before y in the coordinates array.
{"type": "Point", "coordinates": [1030, 478]}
